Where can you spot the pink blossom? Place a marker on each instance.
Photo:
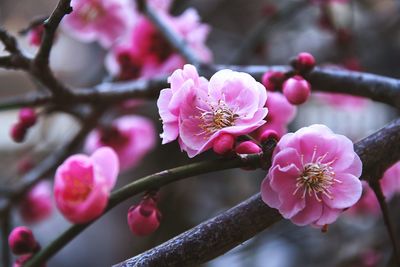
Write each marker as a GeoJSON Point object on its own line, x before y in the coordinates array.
{"type": "Point", "coordinates": [280, 114]}
{"type": "Point", "coordinates": [390, 181]}
{"type": "Point", "coordinates": [146, 53]}
{"type": "Point", "coordinates": [367, 205]}
{"type": "Point", "coordinates": [35, 35]}
{"type": "Point", "coordinates": [313, 177]}
{"type": "Point", "coordinates": [82, 184]}
{"type": "Point", "coordinates": [100, 20]}
{"type": "Point", "coordinates": [231, 103]}
{"type": "Point", "coordinates": [342, 101]}
{"type": "Point", "coordinates": [21, 240]}
{"type": "Point", "coordinates": [131, 137]}
{"type": "Point", "coordinates": [144, 219]}
{"type": "Point", "coordinates": [37, 204]}
{"type": "Point", "coordinates": [183, 82]}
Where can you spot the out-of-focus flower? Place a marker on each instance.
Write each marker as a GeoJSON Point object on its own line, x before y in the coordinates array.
{"type": "Point", "coordinates": [21, 241]}
{"type": "Point", "coordinates": [390, 181]}
{"type": "Point", "coordinates": [144, 218]}
{"type": "Point", "coordinates": [313, 177]}
{"type": "Point", "coordinates": [37, 203]}
{"type": "Point", "coordinates": [146, 53]}
{"type": "Point", "coordinates": [35, 35]}
{"type": "Point", "coordinates": [82, 184]}
{"type": "Point", "coordinates": [232, 103]}
{"type": "Point", "coordinates": [131, 137]}
{"type": "Point", "coordinates": [367, 205]}
{"type": "Point", "coordinates": [280, 114]}
{"type": "Point", "coordinates": [104, 21]}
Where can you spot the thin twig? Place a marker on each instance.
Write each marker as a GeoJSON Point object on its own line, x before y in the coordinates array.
{"type": "Point", "coordinates": [375, 185]}
{"type": "Point", "coordinates": [5, 231]}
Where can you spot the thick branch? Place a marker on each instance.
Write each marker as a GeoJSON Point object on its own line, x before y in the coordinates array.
{"type": "Point", "coordinates": [10, 44]}
{"type": "Point", "coordinates": [222, 233]}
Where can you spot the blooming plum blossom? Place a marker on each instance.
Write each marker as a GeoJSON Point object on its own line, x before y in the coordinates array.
{"type": "Point", "coordinates": [200, 111]}
{"type": "Point", "coordinates": [146, 53]}
{"type": "Point", "coordinates": [131, 137]}
{"type": "Point", "coordinates": [37, 205]}
{"type": "Point", "coordinates": [314, 176]}
{"type": "Point", "coordinates": [100, 20]}
{"type": "Point", "coordinates": [83, 183]}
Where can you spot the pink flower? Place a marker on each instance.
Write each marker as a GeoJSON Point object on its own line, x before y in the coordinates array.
{"type": "Point", "coordinates": [100, 20]}
{"type": "Point", "coordinates": [131, 137]}
{"type": "Point", "coordinates": [37, 204]}
{"type": "Point", "coordinates": [313, 177]}
{"type": "Point", "coordinates": [82, 184]}
{"type": "Point", "coordinates": [35, 35]}
{"type": "Point", "coordinates": [146, 53]}
{"type": "Point", "coordinates": [367, 205]}
{"type": "Point", "coordinates": [390, 181]}
{"type": "Point", "coordinates": [144, 219]}
{"type": "Point", "coordinates": [280, 114]}
{"type": "Point", "coordinates": [231, 103]}
{"type": "Point", "coordinates": [342, 101]}
{"type": "Point", "coordinates": [22, 241]}
{"type": "Point", "coordinates": [183, 82]}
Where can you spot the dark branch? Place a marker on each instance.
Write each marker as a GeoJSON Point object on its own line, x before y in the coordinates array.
{"type": "Point", "coordinates": [10, 44]}
{"type": "Point", "coordinates": [5, 221]}
{"type": "Point", "coordinates": [216, 236]}
{"type": "Point", "coordinates": [50, 25]}
{"type": "Point", "coordinates": [28, 100]}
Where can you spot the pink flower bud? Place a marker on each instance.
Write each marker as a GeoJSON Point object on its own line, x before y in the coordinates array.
{"type": "Point", "coordinates": [22, 241]}
{"type": "Point", "coordinates": [145, 218]}
{"type": "Point", "coordinates": [268, 134]}
{"type": "Point", "coordinates": [35, 35]}
{"type": "Point", "coordinates": [37, 204]}
{"type": "Point", "coordinates": [247, 147]}
{"type": "Point", "coordinates": [18, 132]}
{"type": "Point", "coordinates": [272, 80]}
{"type": "Point", "coordinates": [224, 144]}
{"type": "Point", "coordinates": [27, 117]}
{"type": "Point", "coordinates": [304, 62]}
{"type": "Point", "coordinates": [297, 90]}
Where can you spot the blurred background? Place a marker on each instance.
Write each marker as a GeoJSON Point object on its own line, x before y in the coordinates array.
{"type": "Point", "coordinates": [357, 35]}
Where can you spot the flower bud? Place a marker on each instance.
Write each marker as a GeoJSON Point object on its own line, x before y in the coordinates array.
{"type": "Point", "coordinates": [27, 117]}
{"type": "Point", "coordinates": [273, 80]}
{"type": "Point", "coordinates": [304, 62]}
{"type": "Point", "coordinates": [296, 90]}
{"type": "Point", "coordinates": [22, 241]}
{"type": "Point", "coordinates": [18, 132]}
{"type": "Point", "coordinates": [247, 147]}
{"type": "Point", "coordinates": [145, 218]}
{"type": "Point", "coordinates": [224, 144]}
{"type": "Point", "coordinates": [35, 35]}
{"type": "Point", "coordinates": [268, 134]}
{"type": "Point", "coordinates": [37, 204]}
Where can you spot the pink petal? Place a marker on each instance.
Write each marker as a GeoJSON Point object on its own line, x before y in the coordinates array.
{"type": "Point", "coordinates": [269, 196]}
{"type": "Point", "coordinates": [344, 193]}
{"type": "Point", "coordinates": [311, 212]}
{"type": "Point", "coordinates": [106, 161]}
{"type": "Point", "coordinates": [328, 216]}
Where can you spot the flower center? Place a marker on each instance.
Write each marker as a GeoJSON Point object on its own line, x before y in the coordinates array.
{"type": "Point", "coordinates": [220, 116]}
{"type": "Point", "coordinates": [79, 188]}
{"type": "Point", "coordinates": [316, 178]}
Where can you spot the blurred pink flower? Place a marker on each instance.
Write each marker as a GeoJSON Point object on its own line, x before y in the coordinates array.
{"type": "Point", "coordinates": [37, 204]}
{"type": "Point", "coordinates": [390, 181]}
{"type": "Point", "coordinates": [100, 20]}
{"type": "Point", "coordinates": [367, 204]}
{"type": "Point", "coordinates": [146, 53]}
{"type": "Point", "coordinates": [182, 82]}
{"type": "Point", "coordinates": [131, 137]}
{"type": "Point", "coordinates": [313, 177]}
{"type": "Point", "coordinates": [82, 184]}
{"type": "Point", "coordinates": [338, 100]}
{"type": "Point", "coordinates": [35, 35]}
{"type": "Point", "coordinates": [233, 103]}
{"type": "Point", "coordinates": [280, 114]}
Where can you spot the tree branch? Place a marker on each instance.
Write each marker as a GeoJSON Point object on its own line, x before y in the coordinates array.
{"type": "Point", "coordinates": [222, 233]}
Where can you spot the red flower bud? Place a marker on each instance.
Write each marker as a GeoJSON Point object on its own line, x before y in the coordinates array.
{"type": "Point", "coordinates": [248, 147]}
{"type": "Point", "coordinates": [22, 241]}
{"type": "Point", "coordinates": [18, 132]}
{"type": "Point", "coordinates": [296, 90]}
{"type": "Point", "coordinates": [224, 144]}
{"type": "Point", "coordinates": [27, 117]}
{"type": "Point", "coordinates": [273, 80]}
{"type": "Point", "coordinates": [145, 218]}
{"type": "Point", "coordinates": [304, 62]}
